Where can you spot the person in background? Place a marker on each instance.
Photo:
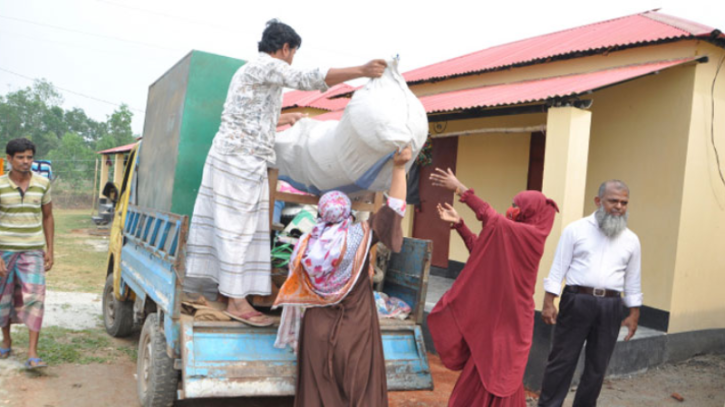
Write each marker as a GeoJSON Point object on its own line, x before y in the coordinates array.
{"type": "Point", "coordinates": [484, 324]}
{"type": "Point", "coordinates": [27, 229]}
{"type": "Point", "coordinates": [600, 258]}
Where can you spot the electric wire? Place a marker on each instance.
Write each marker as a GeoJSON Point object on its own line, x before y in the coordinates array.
{"type": "Point", "coordinates": [73, 92]}
{"type": "Point", "coordinates": [712, 121]}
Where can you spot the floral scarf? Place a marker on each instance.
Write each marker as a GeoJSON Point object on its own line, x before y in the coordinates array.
{"type": "Point", "coordinates": [318, 275]}
{"type": "Point", "coordinates": [326, 244]}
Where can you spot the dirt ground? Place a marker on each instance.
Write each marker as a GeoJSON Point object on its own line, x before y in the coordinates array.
{"type": "Point", "coordinates": [700, 381]}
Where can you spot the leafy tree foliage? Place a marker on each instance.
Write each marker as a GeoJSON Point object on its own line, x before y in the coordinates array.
{"type": "Point", "coordinates": [67, 137]}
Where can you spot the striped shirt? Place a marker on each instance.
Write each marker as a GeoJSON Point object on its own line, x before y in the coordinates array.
{"type": "Point", "coordinates": [21, 216]}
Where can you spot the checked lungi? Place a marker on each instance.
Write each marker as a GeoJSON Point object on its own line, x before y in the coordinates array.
{"type": "Point", "coordinates": [229, 242]}
{"type": "Point", "coordinates": [22, 290]}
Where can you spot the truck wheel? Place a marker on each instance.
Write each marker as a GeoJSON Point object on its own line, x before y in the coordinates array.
{"type": "Point", "coordinates": [117, 315]}
{"type": "Point", "coordinates": [157, 380]}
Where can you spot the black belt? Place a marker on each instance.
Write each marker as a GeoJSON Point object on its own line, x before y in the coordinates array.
{"type": "Point", "coordinates": [597, 292]}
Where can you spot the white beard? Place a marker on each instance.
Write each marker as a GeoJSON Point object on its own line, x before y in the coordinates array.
{"type": "Point", "coordinates": [611, 225]}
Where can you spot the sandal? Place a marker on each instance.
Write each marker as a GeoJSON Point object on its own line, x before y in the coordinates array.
{"type": "Point", "coordinates": [247, 318]}
{"type": "Point", "coordinates": [39, 364]}
{"type": "Point", "coordinates": [5, 353]}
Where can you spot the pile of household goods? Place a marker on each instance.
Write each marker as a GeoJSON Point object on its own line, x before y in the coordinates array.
{"type": "Point", "coordinates": [355, 153]}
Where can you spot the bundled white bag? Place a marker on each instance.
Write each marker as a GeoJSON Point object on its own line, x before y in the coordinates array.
{"type": "Point", "coordinates": [355, 154]}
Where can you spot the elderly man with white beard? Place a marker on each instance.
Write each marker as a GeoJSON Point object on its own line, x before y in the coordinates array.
{"type": "Point", "coordinates": [600, 259]}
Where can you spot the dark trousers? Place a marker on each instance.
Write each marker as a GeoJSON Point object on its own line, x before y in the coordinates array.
{"type": "Point", "coordinates": [581, 318]}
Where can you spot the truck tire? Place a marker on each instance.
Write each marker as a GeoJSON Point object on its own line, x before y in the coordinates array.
{"type": "Point", "coordinates": [117, 315]}
{"type": "Point", "coordinates": [157, 381]}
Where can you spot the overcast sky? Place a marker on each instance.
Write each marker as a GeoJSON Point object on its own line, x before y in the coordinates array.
{"type": "Point", "coordinates": [110, 51]}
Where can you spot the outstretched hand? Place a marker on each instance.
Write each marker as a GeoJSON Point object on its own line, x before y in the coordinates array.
{"type": "Point", "coordinates": [446, 179]}
{"type": "Point", "coordinates": [374, 68]}
{"type": "Point", "coordinates": [448, 213]}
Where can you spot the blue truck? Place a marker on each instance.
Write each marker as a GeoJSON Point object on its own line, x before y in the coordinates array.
{"type": "Point", "coordinates": [183, 358]}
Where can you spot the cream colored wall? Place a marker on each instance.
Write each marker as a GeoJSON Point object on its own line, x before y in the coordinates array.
{"type": "Point", "coordinates": [309, 110]}
{"type": "Point", "coordinates": [639, 135]}
{"type": "Point", "coordinates": [698, 301]}
{"type": "Point", "coordinates": [682, 49]}
{"type": "Point", "coordinates": [496, 166]}
{"type": "Point", "coordinates": [565, 169]}
{"type": "Point", "coordinates": [118, 165]}
{"type": "Point", "coordinates": [407, 224]}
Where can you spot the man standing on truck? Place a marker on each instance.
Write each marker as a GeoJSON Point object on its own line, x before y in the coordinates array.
{"type": "Point", "coordinates": [26, 228]}
{"type": "Point", "coordinates": [229, 242]}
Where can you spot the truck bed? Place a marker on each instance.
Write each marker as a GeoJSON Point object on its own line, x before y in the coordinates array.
{"type": "Point", "coordinates": [232, 359]}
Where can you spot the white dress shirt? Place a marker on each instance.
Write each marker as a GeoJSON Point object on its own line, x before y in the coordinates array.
{"type": "Point", "coordinates": [587, 257]}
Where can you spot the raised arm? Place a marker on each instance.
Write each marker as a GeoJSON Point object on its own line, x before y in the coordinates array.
{"type": "Point", "coordinates": [446, 179]}
{"type": "Point", "coordinates": [283, 74]}
{"type": "Point", "coordinates": [399, 185]}
{"type": "Point", "coordinates": [373, 69]}
{"type": "Point", "coordinates": [387, 222]}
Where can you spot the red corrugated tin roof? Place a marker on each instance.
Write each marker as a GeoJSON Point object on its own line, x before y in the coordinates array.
{"type": "Point", "coordinates": [540, 89]}
{"type": "Point", "coordinates": [118, 150]}
{"type": "Point", "coordinates": [638, 29]}
{"type": "Point", "coordinates": [532, 90]}
{"type": "Point", "coordinates": [316, 99]}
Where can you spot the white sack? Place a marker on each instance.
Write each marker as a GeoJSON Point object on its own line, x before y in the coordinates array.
{"type": "Point", "coordinates": [355, 154]}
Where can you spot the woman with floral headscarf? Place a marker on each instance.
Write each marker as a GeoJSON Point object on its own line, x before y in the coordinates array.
{"type": "Point", "coordinates": [339, 348]}
{"type": "Point", "coordinates": [484, 324]}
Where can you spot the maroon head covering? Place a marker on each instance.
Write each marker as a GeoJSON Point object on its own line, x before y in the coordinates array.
{"type": "Point", "coordinates": [488, 314]}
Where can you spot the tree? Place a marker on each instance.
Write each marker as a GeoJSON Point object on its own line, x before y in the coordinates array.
{"type": "Point", "coordinates": [32, 112]}
{"type": "Point", "coordinates": [119, 126]}
{"type": "Point", "coordinates": [72, 160]}
{"type": "Point", "coordinates": [69, 138]}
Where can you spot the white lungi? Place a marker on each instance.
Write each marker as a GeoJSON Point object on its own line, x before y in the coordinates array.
{"type": "Point", "coordinates": [229, 234]}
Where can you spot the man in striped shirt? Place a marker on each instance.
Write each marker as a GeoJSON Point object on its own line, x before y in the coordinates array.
{"type": "Point", "coordinates": [26, 229]}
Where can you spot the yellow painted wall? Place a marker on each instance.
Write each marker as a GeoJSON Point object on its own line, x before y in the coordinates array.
{"type": "Point", "coordinates": [698, 301]}
{"type": "Point", "coordinates": [309, 110]}
{"type": "Point", "coordinates": [565, 170]}
{"type": "Point", "coordinates": [639, 135]}
{"type": "Point", "coordinates": [408, 221]}
{"type": "Point", "coordinates": [682, 49]}
{"type": "Point", "coordinates": [496, 166]}
{"type": "Point", "coordinates": [118, 167]}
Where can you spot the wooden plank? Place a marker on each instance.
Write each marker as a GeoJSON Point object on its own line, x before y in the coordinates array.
{"type": "Point", "coordinates": [272, 176]}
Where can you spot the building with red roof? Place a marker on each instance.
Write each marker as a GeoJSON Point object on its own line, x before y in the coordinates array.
{"type": "Point", "coordinates": [639, 98]}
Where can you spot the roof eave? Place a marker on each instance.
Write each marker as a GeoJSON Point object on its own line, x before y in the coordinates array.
{"type": "Point", "coordinates": [563, 57]}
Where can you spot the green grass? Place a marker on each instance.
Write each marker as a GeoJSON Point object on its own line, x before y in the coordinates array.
{"type": "Point", "coordinates": [67, 220]}
{"type": "Point", "coordinates": [78, 265]}
{"type": "Point", "coordinates": [59, 345]}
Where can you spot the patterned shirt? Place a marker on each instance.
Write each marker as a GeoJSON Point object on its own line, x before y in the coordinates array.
{"type": "Point", "coordinates": [254, 103]}
{"type": "Point", "coordinates": [21, 216]}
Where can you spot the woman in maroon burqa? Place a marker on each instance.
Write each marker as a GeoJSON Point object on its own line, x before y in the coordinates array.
{"type": "Point", "coordinates": [484, 323]}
